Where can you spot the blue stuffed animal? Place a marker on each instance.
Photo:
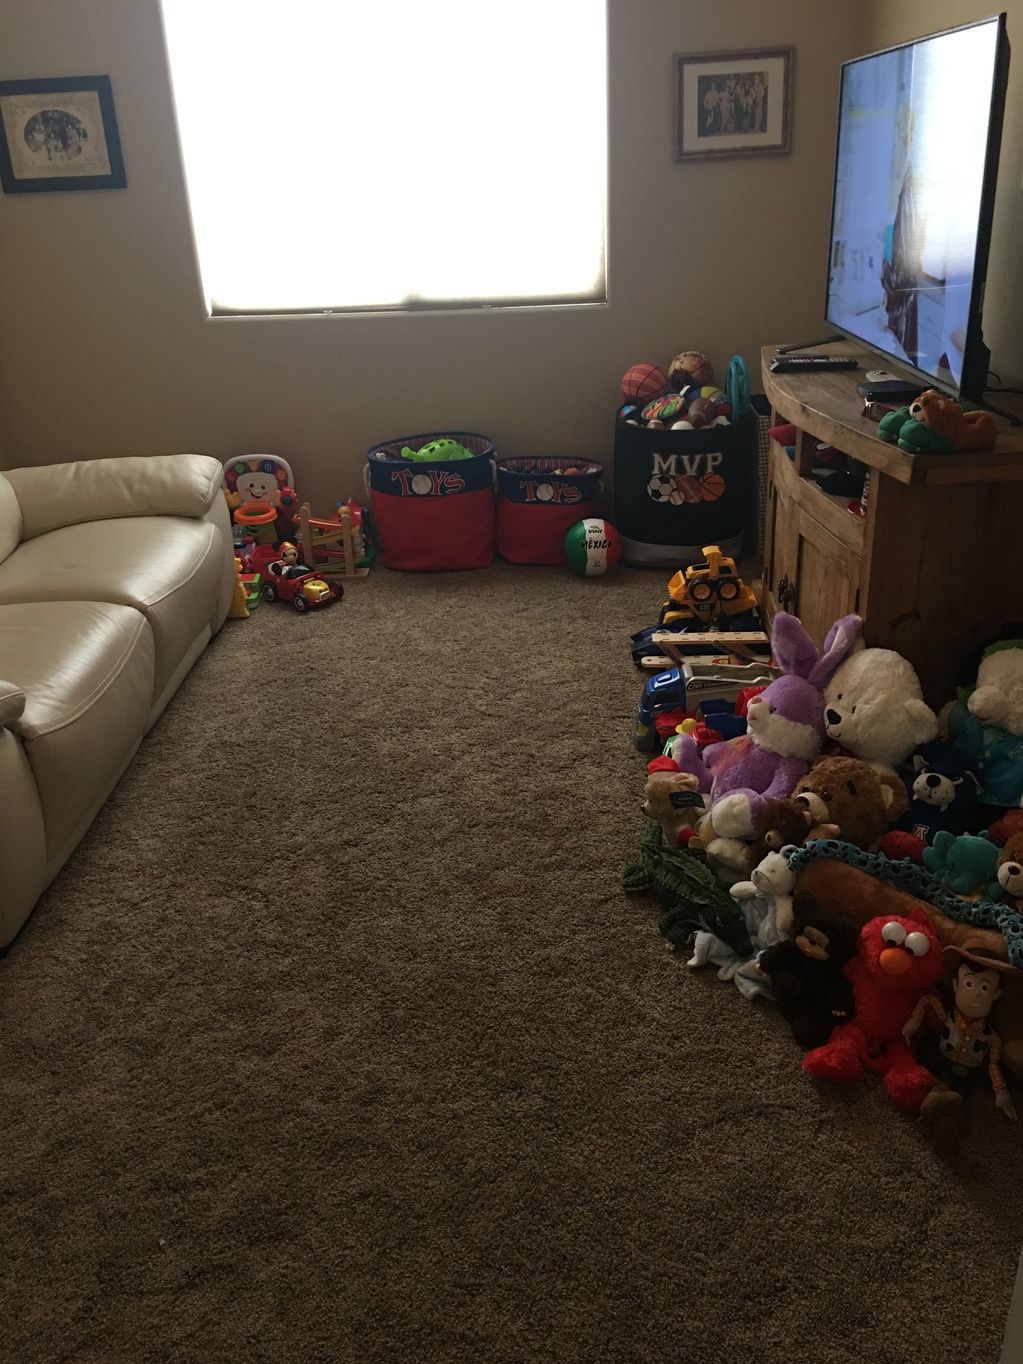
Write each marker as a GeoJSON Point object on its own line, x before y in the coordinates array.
{"type": "Point", "coordinates": [966, 865]}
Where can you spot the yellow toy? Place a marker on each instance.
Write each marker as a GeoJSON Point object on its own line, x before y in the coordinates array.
{"type": "Point", "coordinates": [702, 592]}
{"type": "Point", "coordinates": [239, 610]}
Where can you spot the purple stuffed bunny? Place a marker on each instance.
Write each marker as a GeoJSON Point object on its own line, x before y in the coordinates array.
{"type": "Point", "coordinates": [786, 730]}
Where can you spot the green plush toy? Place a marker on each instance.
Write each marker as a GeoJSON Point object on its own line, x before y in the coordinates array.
{"type": "Point", "coordinates": [965, 865]}
{"type": "Point", "coordinates": [902, 429]}
{"type": "Point", "coordinates": [443, 449]}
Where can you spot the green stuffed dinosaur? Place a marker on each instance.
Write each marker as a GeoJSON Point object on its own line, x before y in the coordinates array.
{"type": "Point", "coordinates": [692, 896]}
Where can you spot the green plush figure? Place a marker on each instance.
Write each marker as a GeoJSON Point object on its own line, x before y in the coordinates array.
{"type": "Point", "coordinates": [965, 864]}
{"type": "Point", "coordinates": [934, 424]}
{"type": "Point", "coordinates": [442, 449]}
{"type": "Point", "coordinates": [902, 429]}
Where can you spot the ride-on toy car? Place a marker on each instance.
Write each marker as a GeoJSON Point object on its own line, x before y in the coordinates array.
{"type": "Point", "coordinates": [304, 590]}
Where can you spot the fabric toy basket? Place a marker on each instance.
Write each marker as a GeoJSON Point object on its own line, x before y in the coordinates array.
{"type": "Point", "coordinates": [433, 515]}
{"type": "Point", "coordinates": [676, 491]}
{"type": "Point", "coordinates": [538, 501]}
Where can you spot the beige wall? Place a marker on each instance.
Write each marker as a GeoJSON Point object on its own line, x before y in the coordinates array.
{"type": "Point", "coordinates": [895, 21]}
{"type": "Point", "coordinates": [104, 347]}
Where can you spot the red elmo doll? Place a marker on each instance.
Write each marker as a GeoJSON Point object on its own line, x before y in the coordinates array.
{"type": "Point", "coordinates": [898, 961]}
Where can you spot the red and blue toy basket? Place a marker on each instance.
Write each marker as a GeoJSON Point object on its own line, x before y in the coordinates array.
{"type": "Point", "coordinates": [433, 515]}
{"type": "Point", "coordinates": [538, 500]}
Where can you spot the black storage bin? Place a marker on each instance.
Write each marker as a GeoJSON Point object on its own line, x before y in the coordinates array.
{"type": "Point", "coordinates": [676, 491]}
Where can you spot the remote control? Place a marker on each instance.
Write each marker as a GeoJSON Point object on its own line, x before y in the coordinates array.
{"type": "Point", "coordinates": [784, 363]}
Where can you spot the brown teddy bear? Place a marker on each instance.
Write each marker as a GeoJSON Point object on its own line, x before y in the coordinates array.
{"type": "Point", "coordinates": [1010, 870]}
{"type": "Point", "coordinates": [785, 822]}
{"type": "Point", "coordinates": [853, 795]}
{"type": "Point", "coordinates": [671, 798]}
{"type": "Point", "coordinates": [962, 430]}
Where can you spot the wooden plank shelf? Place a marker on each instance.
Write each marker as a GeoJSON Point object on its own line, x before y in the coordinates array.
{"type": "Point", "coordinates": [826, 404]}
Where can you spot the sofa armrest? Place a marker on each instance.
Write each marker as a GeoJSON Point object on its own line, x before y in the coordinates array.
{"type": "Point", "coordinates": [56, 495]}
{"type": "Point", "coordinates": [12, 703]}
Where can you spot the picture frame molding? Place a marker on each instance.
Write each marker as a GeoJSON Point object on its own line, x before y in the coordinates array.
{"type": "Point", "coordinates": [682, 60]}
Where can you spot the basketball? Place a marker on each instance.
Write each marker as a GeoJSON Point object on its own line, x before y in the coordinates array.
{"type": "Point", "coordinates": [592, 547]}
{"type": "Point", "coordinates": [713, 485]}
{"type": "Point", "coordinates": [643, 381]}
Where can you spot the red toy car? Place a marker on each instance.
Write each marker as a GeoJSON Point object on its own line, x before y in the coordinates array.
{"type": "Point", "coordinates": [304, 590]}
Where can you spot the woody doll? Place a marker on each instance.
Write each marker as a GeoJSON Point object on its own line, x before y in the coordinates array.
{"type": "Point", "coordinates": [968, 1044]}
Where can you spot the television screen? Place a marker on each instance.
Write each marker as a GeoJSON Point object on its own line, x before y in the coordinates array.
{"type": "Point", "coordinates": [911, 213]}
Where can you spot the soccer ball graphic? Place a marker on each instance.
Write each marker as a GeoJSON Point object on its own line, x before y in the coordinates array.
{"type": "Point", "coordinates": [663, 488]}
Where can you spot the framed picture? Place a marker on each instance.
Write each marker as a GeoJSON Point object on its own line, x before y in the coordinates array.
{"type": "Point", "coordinates": [59, 133]}
{"type": "Point", "coordinates": [733, 103]}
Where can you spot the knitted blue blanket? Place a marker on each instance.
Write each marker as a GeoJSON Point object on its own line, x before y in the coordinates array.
{"type": "Point", "coordinates": [918, 881]}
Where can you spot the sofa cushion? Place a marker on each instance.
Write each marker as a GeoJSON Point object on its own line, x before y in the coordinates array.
{"type": "Point", "coordinates": [168, 567]}
{"type": "Point", "coordinates": [86, 669]}
{"type": "Point", "coordinates": [10, 519]}
{"type": "Point", "coordinates": [54, 495]}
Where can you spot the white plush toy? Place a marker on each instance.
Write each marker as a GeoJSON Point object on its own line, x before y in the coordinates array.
{"type": "Point", "coordinates": [766, 904]}
{"type": "Point", "coordinates": [874, 708]}
{"type": "Point", "coordinates": [997, 698]}
{"type": "Point", "coordinates": [989, 728]}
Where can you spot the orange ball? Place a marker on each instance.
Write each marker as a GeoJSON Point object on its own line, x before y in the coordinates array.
{"type": "Point", "coordinates": [643, 381]}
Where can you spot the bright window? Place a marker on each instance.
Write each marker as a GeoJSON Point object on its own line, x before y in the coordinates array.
{"type": "Point", "coordinates": [413, 153]}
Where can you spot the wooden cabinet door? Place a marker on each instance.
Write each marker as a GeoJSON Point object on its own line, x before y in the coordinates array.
{"type": "Point", "coordinates": [827, 577]}
{"type": "Point", "coordinates": [782, 559]}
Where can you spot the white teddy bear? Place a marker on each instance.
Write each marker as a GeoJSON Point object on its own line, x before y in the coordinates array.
{"type": "Point", "coordinates": [989, 728]}
{"type": "Point", "coordinates": [874, 708]}
{"type": "Point", "coordinates": [766, 904]}
{"type": "Point", "coordinates": [997, 698]}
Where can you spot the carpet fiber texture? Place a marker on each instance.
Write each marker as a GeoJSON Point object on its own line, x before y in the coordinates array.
{"type": "Point", "coordinates": [337, 1041]}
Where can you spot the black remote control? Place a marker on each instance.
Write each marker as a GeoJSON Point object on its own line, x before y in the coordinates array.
{"type": "Point", "coordinates": [782, 364]}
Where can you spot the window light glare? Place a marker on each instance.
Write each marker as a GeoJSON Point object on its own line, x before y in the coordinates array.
{"type": "Point", "coordinates": [340, 155]}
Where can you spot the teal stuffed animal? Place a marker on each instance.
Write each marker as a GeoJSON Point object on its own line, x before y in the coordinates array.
{"type": "Point", "coordinates": [966, 864]}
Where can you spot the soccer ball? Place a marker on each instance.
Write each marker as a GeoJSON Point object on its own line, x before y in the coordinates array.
{"type": "Point", "coordinates": [592, 547]}
{"type": "Point", "coordinates": [663, 488]}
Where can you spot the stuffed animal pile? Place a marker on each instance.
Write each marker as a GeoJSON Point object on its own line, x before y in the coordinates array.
{"type": "Point", "coordinates": [843, 747]}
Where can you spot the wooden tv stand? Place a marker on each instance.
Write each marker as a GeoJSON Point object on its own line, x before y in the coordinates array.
{"type": "Point", "coordinates": [936, 564]}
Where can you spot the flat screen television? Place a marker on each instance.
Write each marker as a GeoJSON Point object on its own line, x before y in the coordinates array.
{"type": "Point", "coordinates": [919, 129]}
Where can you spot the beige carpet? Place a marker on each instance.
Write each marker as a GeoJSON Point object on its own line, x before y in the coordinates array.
{"type": "Point", "coordinates": [336, 1041]}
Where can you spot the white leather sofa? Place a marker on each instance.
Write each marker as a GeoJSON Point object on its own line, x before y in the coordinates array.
{"type": "Point", "coordinates": [114, 576]}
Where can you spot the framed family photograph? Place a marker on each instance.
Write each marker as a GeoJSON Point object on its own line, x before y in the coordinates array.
{"type": "Point", "coordinates": [733, 103]}
{"type": "Point", "coordinates": [59, 133]}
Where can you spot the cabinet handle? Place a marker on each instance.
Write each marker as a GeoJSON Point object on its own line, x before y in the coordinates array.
{"type": "Point", "coordinates": [786, 593]}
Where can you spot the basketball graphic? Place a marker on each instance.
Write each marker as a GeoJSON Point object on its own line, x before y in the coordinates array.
{"type": "Point", "coordinates": [712, 486]}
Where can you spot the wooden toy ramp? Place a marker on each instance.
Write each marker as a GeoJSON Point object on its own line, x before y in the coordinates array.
{"type": "Point", "coordinates": [329, 546]}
